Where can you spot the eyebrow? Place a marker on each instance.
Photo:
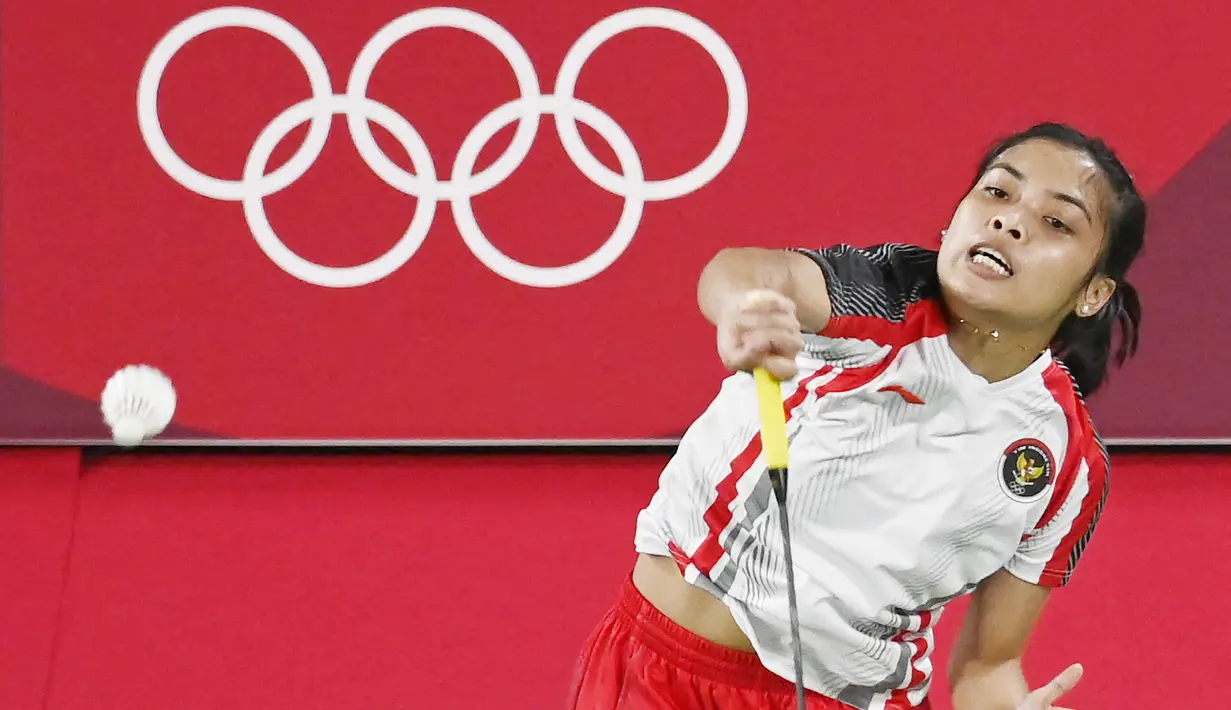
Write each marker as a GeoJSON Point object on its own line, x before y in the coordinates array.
{"type": "Point", "coordinates": [1058, 195]}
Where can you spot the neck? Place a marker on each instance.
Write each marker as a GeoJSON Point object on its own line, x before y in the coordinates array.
{"type": "Point", "coordinates": [994, 354]}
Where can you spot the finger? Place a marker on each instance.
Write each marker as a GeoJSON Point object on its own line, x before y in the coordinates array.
{"type": "Point", "coordinates": [785, 342]}
{"type": "Point", "coordinates": [746, 351]}
{"type": "Point", "coordinates": [1061, 684]}
{"type": "Point", "coordinates": [741, 358]}
{"type": "Point", "coordinates": [782, 368]}
{"type": "Point", "coordinates": [757, 343]}
{"type": "Point", "coordinates": [766, 321]}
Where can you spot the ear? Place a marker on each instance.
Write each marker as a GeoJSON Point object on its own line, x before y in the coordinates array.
{"type": "Point", "coordinates": [1094, 296]}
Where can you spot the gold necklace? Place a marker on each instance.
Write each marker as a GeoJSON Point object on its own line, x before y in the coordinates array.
{"type": "Point", "coordinates": [994, 334]}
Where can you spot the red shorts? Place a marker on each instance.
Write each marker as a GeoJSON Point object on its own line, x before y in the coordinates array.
{"type": "Point", "coordinates": [638, 659]}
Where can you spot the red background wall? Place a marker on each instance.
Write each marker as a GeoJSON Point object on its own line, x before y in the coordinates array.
{"type": "Point", "coordinates": [865, 122]}
{"type": "Point", "coordinates": [374, 581]}
{"type": "Point", "coordinates": [367, 581]}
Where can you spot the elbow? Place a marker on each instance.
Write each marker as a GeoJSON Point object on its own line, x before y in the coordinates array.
{"type": "Point", "coordinates": [728, 274]}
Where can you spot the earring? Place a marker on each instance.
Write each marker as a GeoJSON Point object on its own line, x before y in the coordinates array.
{"type": "Point", "coordinates": [1085, 310]}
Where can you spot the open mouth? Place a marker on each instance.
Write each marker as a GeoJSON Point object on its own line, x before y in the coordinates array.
{"type": "Point", "coordinates": [992, 259]}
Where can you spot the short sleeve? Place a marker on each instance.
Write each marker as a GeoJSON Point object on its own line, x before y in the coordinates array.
{"type": "Point", "coordinates": [1049, 553]}
{"type": "Point", "coordinates": [887, 293]}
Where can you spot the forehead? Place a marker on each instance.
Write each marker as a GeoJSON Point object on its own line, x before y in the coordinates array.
{"type": "Point", "coordinates": [1056, 167]}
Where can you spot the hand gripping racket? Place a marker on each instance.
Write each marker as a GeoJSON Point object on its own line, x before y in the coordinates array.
{"type": "Point", "coordinates": [775, 445]}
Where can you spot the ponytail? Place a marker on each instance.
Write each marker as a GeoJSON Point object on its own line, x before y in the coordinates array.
{"type": "Point", "coordinates": [1089, 346]}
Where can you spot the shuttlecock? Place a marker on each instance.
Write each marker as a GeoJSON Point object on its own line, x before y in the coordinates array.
{"type": "Point", "coordinates": [137, 403]}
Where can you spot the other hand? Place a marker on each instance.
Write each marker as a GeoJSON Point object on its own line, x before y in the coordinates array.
{"type": "Point", "coordinates": [1044, 698]}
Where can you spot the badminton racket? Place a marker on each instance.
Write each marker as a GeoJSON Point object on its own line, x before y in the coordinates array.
{"type": "Point", "coordinates": [775, 445]}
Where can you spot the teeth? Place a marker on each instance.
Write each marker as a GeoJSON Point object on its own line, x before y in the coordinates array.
{"type": "Point", "coordinates": [985, 257]}
{"type": "Point", "coordinates": [994, 254]}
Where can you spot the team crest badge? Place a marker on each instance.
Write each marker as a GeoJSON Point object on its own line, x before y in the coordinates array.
{"type": "Point", "coordinates": [1026, 469]}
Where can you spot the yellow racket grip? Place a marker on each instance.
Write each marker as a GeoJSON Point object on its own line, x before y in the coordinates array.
{"type": "Point", "coordinates": [773, 419]}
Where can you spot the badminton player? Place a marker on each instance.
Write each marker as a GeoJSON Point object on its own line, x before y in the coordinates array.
{"type": "Point", "coordinates": [939, 447]}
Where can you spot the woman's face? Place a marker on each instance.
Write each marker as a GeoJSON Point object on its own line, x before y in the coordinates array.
{"type": "Point", "coordinates": [1022, 244]}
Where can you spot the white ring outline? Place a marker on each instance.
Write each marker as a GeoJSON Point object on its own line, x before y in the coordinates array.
{"type": "Point", "coordinates": [338, 276]}
{"type": "Point", "coordinates": [193, 27]}
{"type": "Point", "coordinates": [548, 276]}
{"type": "Point", "coordinates": [462, 186]}
{"type": "Point", "coordinates": [732, 75]}
{"type": "Point", "coordinates": [432, 18]}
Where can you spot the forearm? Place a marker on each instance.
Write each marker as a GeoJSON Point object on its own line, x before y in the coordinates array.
{"type": "Point", "coordinates": [734, 272]}
{"type": "Point", "coordinates": [980, 686]}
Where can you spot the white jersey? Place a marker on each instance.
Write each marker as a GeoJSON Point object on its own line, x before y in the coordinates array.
{"type": "Point", "coordinates": [912, 479]}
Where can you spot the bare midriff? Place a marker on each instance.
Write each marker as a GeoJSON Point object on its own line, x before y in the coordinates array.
{"type": "Point", "coordinates": [659, 580]}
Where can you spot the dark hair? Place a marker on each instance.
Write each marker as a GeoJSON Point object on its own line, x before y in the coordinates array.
{"type": "Point", "coordinates": [1085, 345]}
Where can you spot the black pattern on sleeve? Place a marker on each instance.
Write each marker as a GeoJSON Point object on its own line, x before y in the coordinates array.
{"type": "Point", "coordinates": [880, 281]}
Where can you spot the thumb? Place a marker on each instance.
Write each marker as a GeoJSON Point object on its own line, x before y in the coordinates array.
{"type": "Point", "coordinates": [1061, 684]}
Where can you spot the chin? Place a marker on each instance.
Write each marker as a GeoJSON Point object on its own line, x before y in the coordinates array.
{"type": "Point", "coordinates": [969, 297]}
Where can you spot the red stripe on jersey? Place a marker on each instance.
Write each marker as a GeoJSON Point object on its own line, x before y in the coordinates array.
{"type": "Point", "coordinates": [924, 319]}
{"type": "Point", "coordinates": [855, 378]}
{"type": "Point", "coordinates": [1083, 444]}
{"type": "Point", "coordinates": [719, 514]}
{"type": "Point", "coordinates": [1060, 385]}
{"type": "Point", "coordinates": [917, 640]}
{"type": "Point", "coordinates": [681, 557]}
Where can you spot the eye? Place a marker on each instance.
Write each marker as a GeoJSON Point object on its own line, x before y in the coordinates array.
{"type": "Point", "coordinates": [996, 192]}
{"type": "Point", "coordinates": [1058, 225]}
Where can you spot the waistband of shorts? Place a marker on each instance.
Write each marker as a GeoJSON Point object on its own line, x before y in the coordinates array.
{"type": "Point", "coordinates": [692, 653]}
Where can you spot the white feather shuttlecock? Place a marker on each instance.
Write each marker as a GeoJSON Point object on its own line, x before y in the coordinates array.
{"type": "Point", "coordinates": [137, 403]}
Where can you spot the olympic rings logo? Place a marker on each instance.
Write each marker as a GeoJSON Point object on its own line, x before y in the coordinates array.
{"type": "Point", "coordinates": [463, 183]}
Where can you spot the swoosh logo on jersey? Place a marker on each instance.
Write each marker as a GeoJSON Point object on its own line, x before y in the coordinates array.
{"type": "Point", "coordinates": [904, 393]}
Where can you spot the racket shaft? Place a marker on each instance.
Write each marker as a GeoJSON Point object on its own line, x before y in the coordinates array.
{"type": "Point", "coordinates": [778, 479]}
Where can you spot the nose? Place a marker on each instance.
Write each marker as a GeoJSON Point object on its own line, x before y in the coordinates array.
{"type": "Point", "coordinates": [1006, 224]}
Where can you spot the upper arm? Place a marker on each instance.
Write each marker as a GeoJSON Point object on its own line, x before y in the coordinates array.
{"type": "Point", "coordinates": [736, 270]}
{"type": "Point", "coordinates": [874, 293]}
{"type": "Point", "coordinates": [809, 289]}
{"type": "Point", "coordinates": [1049, 553]}
{"type": "Point", "coordinates": [840, 292]}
